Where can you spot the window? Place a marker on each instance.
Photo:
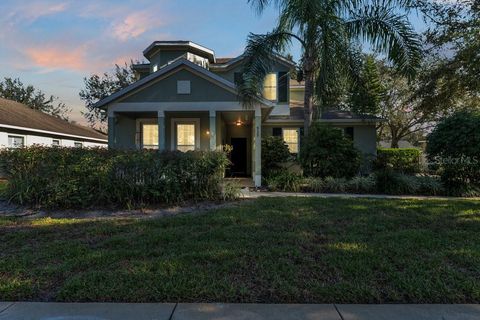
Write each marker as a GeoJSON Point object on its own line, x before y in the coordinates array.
{"type": "Point", "coordinates": [55, 143]}
{"type": "Point", "coordinates": [185, 137]}
{"type": "Point", "coordinates": [16, 141]}
{"type": "Point", "coordinates": [183, 87]}
{"type": "Point", "coordinates": [290, 136]}
{"type": "Point", "coordinates": [155, 67]}
{"type": "Point", "coordinates": [283, 87]}
{"type": "Point", "coordinates": [78, 144]}
{"type": "Point", "coordinates": [149, 135]}
{"type": "Point", "coordinates": [277, 132]}
{"type": "Point", "coordinates": [270, 87]}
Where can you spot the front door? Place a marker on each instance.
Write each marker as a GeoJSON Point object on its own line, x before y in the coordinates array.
{"type": "Point", "coordinates": [238, 157]}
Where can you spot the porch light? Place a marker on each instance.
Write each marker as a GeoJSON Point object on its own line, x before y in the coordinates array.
{"type": "Point", "coordinates": [238, 123]}
{"type": "Point", "coordinates": [208, 133]}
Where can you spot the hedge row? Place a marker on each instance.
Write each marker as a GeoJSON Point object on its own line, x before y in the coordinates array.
{"type": "Point", "coordinates": [404, 160]}
{"type": "Point", "coordinates": [79, 178]}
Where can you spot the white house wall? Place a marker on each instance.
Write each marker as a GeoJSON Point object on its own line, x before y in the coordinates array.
{"type": "Point", "coordinates": [33, 139]}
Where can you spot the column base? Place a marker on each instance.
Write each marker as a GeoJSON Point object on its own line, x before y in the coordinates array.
{"type": "Point", "coordinates": [258, 181]}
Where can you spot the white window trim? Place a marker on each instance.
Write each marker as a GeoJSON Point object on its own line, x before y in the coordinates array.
{"type": "Point", "coordinates": [298, 136]}
{"type": "Point", "coordinates": [173, 137]}
{"type": "Point", "coordinates": [138, 130]}
{"type": "Point", "coordinates": [18, 136]}
{"type": "Point", "coordinates": [59, 142]}
{"type": "Point", "coordinates": [82, 144]}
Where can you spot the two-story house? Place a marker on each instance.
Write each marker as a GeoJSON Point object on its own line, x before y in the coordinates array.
{"type": "Point", "coordinates": [186, 99]}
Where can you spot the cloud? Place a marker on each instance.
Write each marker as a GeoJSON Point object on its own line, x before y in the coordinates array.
{"type": "Point", "coordinates": [58, 57]}
{"type": "Point", "coordinates": [135, 24]}
{"type": "Point", "coordinates": [28, 13]}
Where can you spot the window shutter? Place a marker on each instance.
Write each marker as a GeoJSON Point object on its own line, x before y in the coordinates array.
{"type": "Point", "coordinates": [283, 87]}
{"type": "Point", "coordinates": [237, 78]}
{"type": "Point", "coordinates": [277, 132]}
{"type": "Point", "coordinates": [349, 132]}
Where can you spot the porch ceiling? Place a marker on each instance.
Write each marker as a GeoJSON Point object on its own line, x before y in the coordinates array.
{"type": "Point", "coordinates": [233, 117]}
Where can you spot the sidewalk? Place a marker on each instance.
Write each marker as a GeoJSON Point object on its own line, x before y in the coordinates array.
{"type": "Point", "coordinates": [246, 194]}
{"type": "Point", "coordinates": [217, 311]}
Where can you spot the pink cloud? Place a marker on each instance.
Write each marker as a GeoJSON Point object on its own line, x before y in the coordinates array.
{"type": "Point", "coordinates": [135, 24]}
{"type": "Point", "coordinates": [35, 10]}
{"type": "Point", "coordinates": [57, 57]}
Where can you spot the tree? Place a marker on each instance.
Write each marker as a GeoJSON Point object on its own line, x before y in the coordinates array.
{"type": "Point", "coordinates": [453, 42]}
{"type": "Point", "coordinates": [14, 89]}
{"type": "Point", "coordinates": [367, 91]}
{"type": "Point", "coordinates": [99, 87]}
{"type": "Point", "coordinates": [326, 31]}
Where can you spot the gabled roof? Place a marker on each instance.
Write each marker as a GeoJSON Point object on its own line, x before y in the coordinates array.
{"type": "Point", "coordinates": [229, 62]}
{"type": "Point", "coordinates": [165, 70]}
{"type": "Point", "coordinates": [16, 115]}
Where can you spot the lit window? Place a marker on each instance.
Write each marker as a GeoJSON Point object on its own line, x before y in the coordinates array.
{"type": "Point", "coordinates": [16, 141]}
{"type": "Point", "coordinates": [149, 136]}
{"type": "Point", "coordinates": [155, 68]}
{"type": "Point", "coordinates": [270, 87]}
{"type": "Point", "coordinates": [78, 144]}
{"type": "Point", "coordinates": [55, 143]}
{"type": "Point", "coordinates": [290, 136]}
{"type": "Point", "coordinates": [185, 137]}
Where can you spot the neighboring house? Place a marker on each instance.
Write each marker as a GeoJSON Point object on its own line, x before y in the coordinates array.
{"type": "Point", "coordinates": [21, 126]}
{"type": "Point", "coordinates": [186, 99]}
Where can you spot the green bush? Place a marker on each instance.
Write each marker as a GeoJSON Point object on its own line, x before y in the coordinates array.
{"type": "Point", "coordinates": [404, 160]}
{"type": "Point", "coordinates": [274, 152]}
{"type": "Point", "coordinates": [454, 147]}
{"type": "Point", "coordinates": [326, 152]}
{"type": "Point", "coordinates": [284, 180]}
{"type": "Point", "coordinates": [362, 184]}
{"type": "Point", "coordinates": [79, 178]}
{"type": "Point", "coordinates": [335, 185]}
{"type": "Point", "coordinates": [311, 184]}
{"type": "Point", "coordinates": [430, 186]}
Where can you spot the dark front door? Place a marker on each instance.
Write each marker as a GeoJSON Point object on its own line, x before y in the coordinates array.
{"type": "Point", "coordinates": [239, 157]}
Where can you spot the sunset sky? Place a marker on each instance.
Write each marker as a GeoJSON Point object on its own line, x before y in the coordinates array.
{"type": "Point", "coordinates": [55, 44]}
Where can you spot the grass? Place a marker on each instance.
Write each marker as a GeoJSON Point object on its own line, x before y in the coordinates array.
{"type": "Point", "coordinates": [281, 250]}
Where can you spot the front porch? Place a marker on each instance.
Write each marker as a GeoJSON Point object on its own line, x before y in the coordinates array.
{"type": "Point", "coordinates": [194, 130]}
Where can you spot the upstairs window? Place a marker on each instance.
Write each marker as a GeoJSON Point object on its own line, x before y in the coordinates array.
{"type": "Point", "coordinates": [78, 144]}
{"type": "Point", "coordinates": [270, 87]}
{"type": "Point", "coordinates": [55, 143]}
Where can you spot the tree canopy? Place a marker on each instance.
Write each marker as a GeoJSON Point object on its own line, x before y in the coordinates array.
{"type": "Point", "coordinates": [14, 89]}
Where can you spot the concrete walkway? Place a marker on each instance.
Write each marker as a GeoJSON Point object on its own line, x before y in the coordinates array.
{"type": "Point", "coordinates": [247, 194]}
{"type": "Point", "coordinates": [218, 311]}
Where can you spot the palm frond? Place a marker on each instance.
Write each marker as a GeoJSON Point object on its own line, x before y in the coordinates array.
{"type": "Point", "coordinates": [389, 33]}
{"type": "Point", "coordinates": [258, 62]}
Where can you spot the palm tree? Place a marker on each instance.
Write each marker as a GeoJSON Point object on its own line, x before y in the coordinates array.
{"type": "Point", "coordinates": [327, 31]}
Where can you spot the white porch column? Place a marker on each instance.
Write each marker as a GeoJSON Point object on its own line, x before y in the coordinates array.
{"type": "Point", "coordinates": [161, 131]}
{"type": "Point", "coordinates": [258, 147]}
{"type": "Point", "coordinates": [111, 130]}
{"type": "Point", "coordinates": [213, 130]}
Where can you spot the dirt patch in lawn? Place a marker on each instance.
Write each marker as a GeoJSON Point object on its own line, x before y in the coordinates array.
{"type": "Point", "coordinates": [10, 210]}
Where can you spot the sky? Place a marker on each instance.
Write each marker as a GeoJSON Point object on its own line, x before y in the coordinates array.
{"type": "Point", "coordinates": [54, 44]}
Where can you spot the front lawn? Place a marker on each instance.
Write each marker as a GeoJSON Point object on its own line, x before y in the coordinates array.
{"type": "Point", "coordinates": [305, 250]}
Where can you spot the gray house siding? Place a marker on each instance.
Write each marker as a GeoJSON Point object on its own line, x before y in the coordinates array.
{"type": "Point", "coordinates": [230, 73]}
{"type": "Point", "coordinates": [165, 90]}
{"type": "Point", "coordinates": [365, 139]}
{"type": "Point", "coordinates": [125, 132]}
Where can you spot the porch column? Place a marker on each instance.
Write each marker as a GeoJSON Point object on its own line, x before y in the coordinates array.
{"type": "Point", "coordinates": [111, 131]}
{"type": "Point", "coordinates": [213, 130]}
{"type": "Point", "coordinates": [258, 147]}
{"type": "Point", "coordinates": [161, 131]}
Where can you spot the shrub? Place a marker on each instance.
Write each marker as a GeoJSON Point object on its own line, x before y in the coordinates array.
{"type": "Point", "coordinates": [231, 190]}
{"type": "Point", "coordinates": [405, 160]}
{"type": "Point", "coordinates": [274, 152]}
{"type": "Point", "coordinates": [327, 152]}
{"type": "Point", "coordinates": [284, 180]}
{"type": "Point", "coordinates": [335, 185]}
{"type": "Point", "coordinates": [78, 178]}
{"type": "Point", "coordinates": [430, 186]}
{"type": "Point", "coordinates": [312, 184]}
{"type": "Point", "coordinates": [454, 145]}
{"type": "Point", "coordinates": [362, 184]}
